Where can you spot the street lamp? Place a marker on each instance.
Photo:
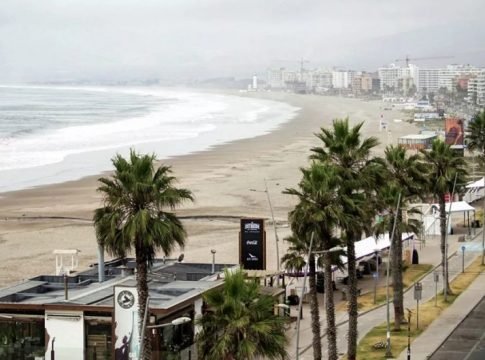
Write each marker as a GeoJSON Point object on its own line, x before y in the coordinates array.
{"type": "Point", "coordinates": [376, 275]}
{"type": "Point", "coordinates": [213, 251]}
{"type": "Point", "coordinates": [175, 322]}
{"type": "Point", "coordinates": [334, 249]}
{"type": "Point", "coordinates": [274, 223]}
{"type": "Point", "coordinates": [388, 316]}
{"type": "Point", "coordinates": [285, 307]}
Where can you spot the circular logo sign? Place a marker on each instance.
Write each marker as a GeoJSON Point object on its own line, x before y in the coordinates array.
{"type": "Point", "coordinates": [126, 299]}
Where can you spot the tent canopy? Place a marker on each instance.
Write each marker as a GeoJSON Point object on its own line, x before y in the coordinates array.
{"type": "Point", "coordinates": [476, 184]}
{"type": "Point", "coordinates": [456, 206]}
{"type": "Point", "coordinates": [368, 246]}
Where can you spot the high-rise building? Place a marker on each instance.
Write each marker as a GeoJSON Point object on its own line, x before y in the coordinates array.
{"type": "Point", "coordinates": [449, 76]}
{"type": "Point", "coordinates": [341, 79]}
{"type": "Point", "coordinates": [476, 89]}
{"type": "Point", "coordinates": [427, 80]}
{"type": "Point", "coordinates": [275, 78]}
{"type": "Point", "coordinates": [393, 77]}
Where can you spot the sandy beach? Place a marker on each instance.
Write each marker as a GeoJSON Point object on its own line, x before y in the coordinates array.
{"type": "Point", "coordinates": [228, 182]}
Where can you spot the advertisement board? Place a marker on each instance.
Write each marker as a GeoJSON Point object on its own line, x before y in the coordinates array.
{"type": "Point", "coordinates": [127, 338]}
{"type": "Point", "coordinates": [252, 239]}
{"type": "Point", "coordinates": [454, 131]}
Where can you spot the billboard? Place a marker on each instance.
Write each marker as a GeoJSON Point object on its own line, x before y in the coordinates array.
{"type": "Point", "coordinates": [252, 240]}
{"type": "Point", "coordinates": [454, 131]}
{"type": "Point", "coordinates": [127, 338]}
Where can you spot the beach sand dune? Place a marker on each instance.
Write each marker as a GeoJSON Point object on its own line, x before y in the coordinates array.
{"type": "Point", "coordinates": [228, 182]}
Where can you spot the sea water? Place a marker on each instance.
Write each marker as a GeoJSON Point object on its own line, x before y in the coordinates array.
{"type": "Point", "coordinates": [54, 134]}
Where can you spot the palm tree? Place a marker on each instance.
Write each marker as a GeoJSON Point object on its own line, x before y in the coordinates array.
{"type": "Point", "coordinates": [133, 217]}
{"type": "Point", "coordinates": [406, 176]}
{"type": "Point", "coordinates": [318, 212]}
{"type": "Point", "coordinates": [476, 138]}
{"type": "Point", "coordinates": [446, 168]}
{"type": "Point", "coordinates": [240, 323]}
{"type": "Point", "coordinates": [343, 146]}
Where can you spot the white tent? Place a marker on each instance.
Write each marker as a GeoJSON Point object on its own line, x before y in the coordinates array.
{"type": "Point", "coordinates": [368, 246]}
{"type": "Point", "coordinates": [456, 206]}
{"type": "Point", "coordinates": [476, 190]}
{"type": "Point", "coordinates": [431, 219]}
{"type": "Point", "coordinates": [476, 184]}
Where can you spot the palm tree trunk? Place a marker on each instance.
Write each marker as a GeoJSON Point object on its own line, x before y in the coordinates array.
{"type": "Point", "coordinates": [142, 288]}
{"type": "Point", "coordinates": [317, 343]}
{"type": "Point", "coordinates": [330, 309]}
{"type": "Point", "coordinates": [353, 305]}
{"type": "Point", "coordinates": [444, 259]}
{"type": "Point", "coordinates": [397, 269]}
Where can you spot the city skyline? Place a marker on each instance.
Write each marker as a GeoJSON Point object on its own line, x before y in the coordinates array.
{"type": "Point", "coordinates": [192, 40]}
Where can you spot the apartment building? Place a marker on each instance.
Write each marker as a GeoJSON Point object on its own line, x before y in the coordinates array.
{"type": "Point", "coordinates": [451, 74]}
{"type": "Point", "coordinates": [427, 80]}
{"type": "Point", "coordinates": [341, 79]}
{"type": "Point", "coordinates": [476, 89]}
{"type": "Point", "coordinates": [393, 77]}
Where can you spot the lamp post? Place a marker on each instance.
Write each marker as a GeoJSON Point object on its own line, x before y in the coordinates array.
{"type": "Point", "coordinates": [213, 251]}
{"type": "Point", "coordinates": [274, 223]}
{"type": "Point", "coordinates": [178, 321]}
{"type": "Point", "coordinates": [175, 322]}
{"type": "Point", "coordinates": [334, 249]}
{"type": "Point", "coordinates": [284, 307]}
{"type": "Point", "coordinates": [483, 230]}
{"type": "Point", "coordinates": [388, 316]}
{"type": "Point", "coordinates": [376, 275]}
{"type": "Point", "coordinates": [409, 334]}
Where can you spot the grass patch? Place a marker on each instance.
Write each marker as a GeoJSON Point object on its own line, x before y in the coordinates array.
{"type": "Point", "coordinates": [428, 312]}
{"type": "Point", "coordinates": [366, 301]}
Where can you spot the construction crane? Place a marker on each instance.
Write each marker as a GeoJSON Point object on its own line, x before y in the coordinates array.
{"type": "Point", "coordinates": [407, 58]}
{"type": "Point", "coordinates": [301, 61]}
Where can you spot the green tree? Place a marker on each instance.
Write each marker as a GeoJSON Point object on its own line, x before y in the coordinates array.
{"type": "Point", "coordinates": [406, 176]}
{"type": "Point", "coordinates": [240, 323]}
{"type": "Point", "coordinates": [134, 217]}
{"type": "Point", "coordinates": [318, 212]}
{"type": "Point", "coordinates": [344, 147]}
{"type": "Point", "coordinates": [444, 166]}
{"type": "Point", "coordinates": [476, 137]}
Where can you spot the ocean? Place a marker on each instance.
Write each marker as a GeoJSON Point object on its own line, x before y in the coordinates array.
{"type": "Point", "coordinates": [54, 134]}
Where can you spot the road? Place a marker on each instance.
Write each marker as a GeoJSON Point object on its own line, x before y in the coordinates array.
{"type": "Point", "coordinates": [467, 341]}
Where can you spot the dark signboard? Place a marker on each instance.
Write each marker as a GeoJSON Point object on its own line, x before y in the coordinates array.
{"type": "Point", "coordinates": [252, 249]}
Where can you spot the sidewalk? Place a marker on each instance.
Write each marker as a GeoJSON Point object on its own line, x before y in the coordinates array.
{"type": "Point", "coordinates": [439, 330]}
{"type": "Point", "coordinates": [429, 254]}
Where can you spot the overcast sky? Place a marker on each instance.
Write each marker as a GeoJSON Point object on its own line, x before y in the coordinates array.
{"type": "Point", "coordinates": [181, 39]}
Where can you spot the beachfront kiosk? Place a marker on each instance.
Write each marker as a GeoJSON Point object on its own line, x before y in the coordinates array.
{"type": "Point", "coordinates": [79, 318]}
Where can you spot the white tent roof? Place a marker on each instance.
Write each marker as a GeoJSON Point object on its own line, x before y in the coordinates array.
{"type": "Point", "coordinates": [456, 206]}
{"type": "Point", "coordinates": [477, 184]}
{"type": "Point", "coordinates": [368, 246]}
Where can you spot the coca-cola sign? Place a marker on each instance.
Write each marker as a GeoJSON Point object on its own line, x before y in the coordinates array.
{"type": "Point", "coordinates": [252, 238]}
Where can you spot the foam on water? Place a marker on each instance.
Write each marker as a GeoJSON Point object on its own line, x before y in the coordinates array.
{"type": "Point", "coordinates": [169, 123]}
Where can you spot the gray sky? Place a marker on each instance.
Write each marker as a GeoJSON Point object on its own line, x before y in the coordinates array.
{"type": "Point", "coordinates": [180, 39]}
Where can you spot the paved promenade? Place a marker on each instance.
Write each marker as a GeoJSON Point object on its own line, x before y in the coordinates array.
{"type": "Point", "coordinates": [441, 328]}
{"type": "Point", "coordinates": [430, 254]}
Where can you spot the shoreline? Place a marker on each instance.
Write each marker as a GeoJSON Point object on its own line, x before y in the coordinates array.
{"type": "Point", "coordinates": [220, 177]}
{"type": "Point", "coordinates": [168, 122]}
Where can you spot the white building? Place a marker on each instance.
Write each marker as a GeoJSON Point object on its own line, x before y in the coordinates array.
{"type": "Point", "coordinates": [341, 79]}
{"type": "Point", "coordinates": [255, 82]}
{"type": "Point", "coordinates": [427, 80]}
{"type": "Point", "coordinates": [476, 89]}
{"type": "Point", "coordinates": [319, 80]}
{"type": "Point", "coordinates": [394, 77]}
{"type": "Point", "coordinates": [448, 76]}
{"type": "Point", "coordinates": [275, 78]}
